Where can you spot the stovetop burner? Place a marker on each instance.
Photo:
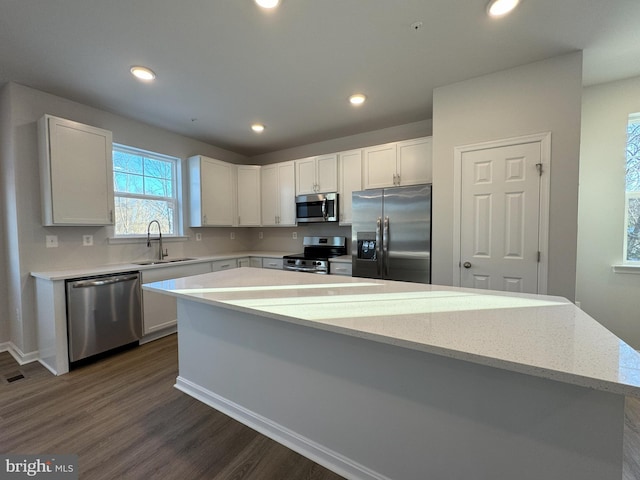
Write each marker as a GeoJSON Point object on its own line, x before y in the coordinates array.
{"type": "Point", "coordinates": [316, 255]}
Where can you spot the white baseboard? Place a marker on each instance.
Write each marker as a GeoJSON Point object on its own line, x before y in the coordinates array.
{"type": "Point", "coordinates": [318, 453]}
{"type": "Point", "coordinates": [17, 354]}
{"type": "Point", "coordinates": [150, 337]}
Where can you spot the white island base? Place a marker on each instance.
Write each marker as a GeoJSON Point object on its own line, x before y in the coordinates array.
{"type": "Point", "coordinates": [368, 410]}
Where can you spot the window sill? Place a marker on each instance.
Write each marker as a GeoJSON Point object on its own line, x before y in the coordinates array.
{"type": "Point", "coordinates": [633, 269]}
{"type": "Point", "coordinates": [143, 239]}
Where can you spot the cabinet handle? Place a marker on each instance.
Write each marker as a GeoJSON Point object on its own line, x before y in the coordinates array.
{"type": "Point", "coordinates": [398, 179]}
{"type": "Point", "coordinates": [204, 219]}
{"type": "Point", "coordinates": [239, 222]}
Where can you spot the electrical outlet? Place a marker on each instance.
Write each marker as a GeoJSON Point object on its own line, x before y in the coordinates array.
{"type": "Point", "coordinates": [52, 241]}
{"type": "Point", "coordinates": [87, 240]}
{"type": "Point", "coordinates": [232, 235]}
{"type": "Point", "coordinates": [294, 235]}
{"type": "Point", "coordinates": [198, 237]}
{"type": "Point", "coordinates": [260, 235]}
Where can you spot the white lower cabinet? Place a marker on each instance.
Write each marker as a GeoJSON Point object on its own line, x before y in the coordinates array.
{"type": "Point", "coordinates": [244, 262]}
{"type": "Point", "coordinates": [159, 310]}
{"type": "Point", "coordinates": [340, 268]}
{"type": "Point", "coordinates": [255, 262]}
{"type": "Point", "coordinates": [275, 263]}
{"type": "Point", "coordinates": [219, 265]}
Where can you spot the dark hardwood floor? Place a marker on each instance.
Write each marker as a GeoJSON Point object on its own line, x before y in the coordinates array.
{"type": "Point", "coordinates": [124, 420]}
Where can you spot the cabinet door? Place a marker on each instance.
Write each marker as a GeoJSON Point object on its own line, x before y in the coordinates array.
{"type": "Point", "coordinates": [160, 310]}
{"type": "Point", "coordinates": [248, 195]}
{"type": "Point", "coordinates": [255, 262]}
{"type": "Point", "coordinates": [270, 195]}
{"type": "Point", "coordinates": [286, 194]}
{"type": "Point", "coordinates": [380, 166]}
{"type": "Point", "coordinates": [414, 161]}
{"type": "Point", "coordinates": [305, 176]}
{"type": "Point", "coordinates": [350, 181]}
{"type": "Point", "coordinates": [217, 192]}
{"type": "Point", "coordinates": [76, 173]}
{"type": "Point", "coordinates": [327, 173]}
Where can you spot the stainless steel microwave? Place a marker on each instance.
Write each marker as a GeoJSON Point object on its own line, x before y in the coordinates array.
{"type": "Point", "coordinates": [318, 207]}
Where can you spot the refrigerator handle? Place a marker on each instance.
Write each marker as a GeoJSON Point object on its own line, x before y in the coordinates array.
{"type": "Point", "coordinates": [385, 246]}
{"type": "Point", "coordinates": [378, 247]}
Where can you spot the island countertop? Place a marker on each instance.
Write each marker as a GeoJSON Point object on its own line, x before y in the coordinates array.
{"type": "Point", "coordinates": [538, 335]}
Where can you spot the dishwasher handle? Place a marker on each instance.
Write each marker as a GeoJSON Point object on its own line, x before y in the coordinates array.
{"type": "Point", "coordinates": [104, 281]}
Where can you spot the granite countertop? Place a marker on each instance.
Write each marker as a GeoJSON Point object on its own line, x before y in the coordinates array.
{"type": "Point", "coordinates": [130, 267]}
{"type": "Point", "coordinates": [538, 335]}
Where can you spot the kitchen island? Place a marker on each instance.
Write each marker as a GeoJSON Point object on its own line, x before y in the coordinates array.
{"type": "Point", "coordinates": [393, 380]}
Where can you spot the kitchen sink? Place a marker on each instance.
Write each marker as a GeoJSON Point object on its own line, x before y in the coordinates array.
{"type": "Point", "coordinates": [157, 262]}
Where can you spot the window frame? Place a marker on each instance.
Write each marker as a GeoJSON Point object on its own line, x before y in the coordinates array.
{"type": "Point", "coordinates": [633, 118]}
{"type": "Point", "coordinates": [176, 200]}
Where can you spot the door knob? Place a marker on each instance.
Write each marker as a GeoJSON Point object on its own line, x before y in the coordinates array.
{"type": "Point", "coordinates": [466, 265]}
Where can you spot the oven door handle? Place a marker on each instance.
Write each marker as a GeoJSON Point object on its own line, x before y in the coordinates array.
{"type": "Point", "coordinates": [303, 269]}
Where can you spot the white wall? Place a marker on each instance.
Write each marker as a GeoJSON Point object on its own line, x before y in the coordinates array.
{"type": "Point", "coordinates": [4, 214]}
{"type": "Point", "coordinates": [611, 298]}
{"type": "Point", "coordinates": [540, 97]}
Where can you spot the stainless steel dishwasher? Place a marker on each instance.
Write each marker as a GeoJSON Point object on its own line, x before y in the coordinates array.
{"type": "Point", "coordinates": [103, 312]}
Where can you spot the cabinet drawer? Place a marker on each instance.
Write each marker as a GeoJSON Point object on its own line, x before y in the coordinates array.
{"type": "Point", "coordinates": [275, 263]}
{"type": "Point", "coordinates": [219, 265]}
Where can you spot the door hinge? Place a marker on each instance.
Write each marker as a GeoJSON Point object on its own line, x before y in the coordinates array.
{"type": "Point", "coordinates": [539, 168]}
{"type": "Point", "coordinates": [539, 254]}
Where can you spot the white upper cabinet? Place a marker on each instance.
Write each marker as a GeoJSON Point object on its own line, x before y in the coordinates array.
{"type": "Point", "coordinates": [379, 169]}
{"type": "Point", "coordinates": [396, 164]}
{"type": "Point", "coordinates": [415, 161]}
{"type": "Point", "coordinates": [76, 173]}
{"type": "Point", "coordinates": [350, 181]}
{"type": "Point", "coordinates": [212, 192]}
{"type": "Point", "coordinates": [248, 195]}
{"type": "Point", "coordinates": [278, 194]}
{"type": "Point", "coordinates": [317, 174]}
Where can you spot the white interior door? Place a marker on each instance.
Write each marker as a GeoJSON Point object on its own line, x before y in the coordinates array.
{"type": "Point", "coordinates": [500, 217]}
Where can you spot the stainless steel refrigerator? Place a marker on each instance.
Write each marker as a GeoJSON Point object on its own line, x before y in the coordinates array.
{"type": "Point", "coordinates": [391, 234]}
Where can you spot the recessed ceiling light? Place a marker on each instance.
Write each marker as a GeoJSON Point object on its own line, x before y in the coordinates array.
{"type": "Point", "coordinates": [268, 3]}
{"type": "Point", "coordinates": [257, 127]}
{"type": "Point", "coordinates": [357, 99]}
{"type": "Point", "coordinates": [498, 8]}
{"type": "Point", "coordinates": [143, 73]}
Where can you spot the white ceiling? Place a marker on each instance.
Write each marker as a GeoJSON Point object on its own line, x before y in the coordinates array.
{"type": "Point", "coordinates": [227, 63]}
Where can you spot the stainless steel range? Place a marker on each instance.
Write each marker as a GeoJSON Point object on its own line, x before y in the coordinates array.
{"type": "Point", "coordinates": [317, 252]}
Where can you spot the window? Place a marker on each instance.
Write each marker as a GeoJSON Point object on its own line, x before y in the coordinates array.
{"type": "Point", "coordinates": [145, 188]}
{"type": "Point", "coordinates": [632, 190]}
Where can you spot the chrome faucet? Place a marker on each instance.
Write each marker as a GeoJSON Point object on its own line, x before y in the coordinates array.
{"type": "Point", "coordinates": [161, 253]}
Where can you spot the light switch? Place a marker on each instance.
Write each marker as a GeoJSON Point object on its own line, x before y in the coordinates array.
{"type": "Point", "coordinates": [294, 235]}
{"type": "Point", "coordinates": [87, 240]}
{"type": "Point", "coordinates": [198, 237]}
{"type": "Point", "coordinates": [233, 235]}
{"type": "Point", "coordinates": [260, 235]}
{"type": "Point", "coordinates": [52, 241]}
